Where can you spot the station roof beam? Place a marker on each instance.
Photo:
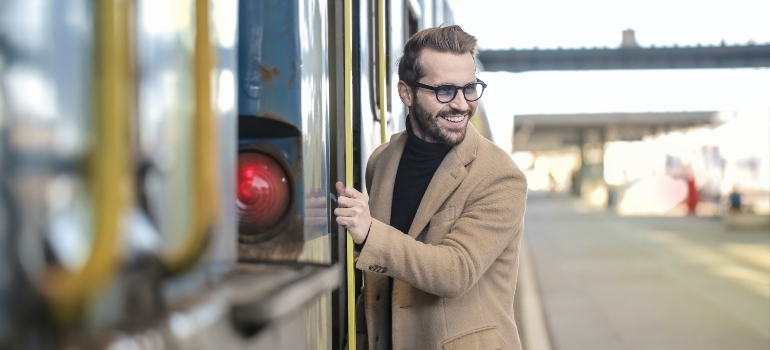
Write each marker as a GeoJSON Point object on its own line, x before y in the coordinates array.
{"type": "Point", "coordinates": [628, 56]}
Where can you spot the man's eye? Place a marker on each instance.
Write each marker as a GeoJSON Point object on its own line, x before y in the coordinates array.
{"type": "Point", "coordinates": [445, 90]}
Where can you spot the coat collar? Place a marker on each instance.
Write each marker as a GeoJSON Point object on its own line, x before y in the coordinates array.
{"type": "Point", "coordinates": [447, 178]}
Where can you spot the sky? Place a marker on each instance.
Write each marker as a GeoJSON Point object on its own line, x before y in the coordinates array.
{"type": "Point", "coordinates": [502, 24]}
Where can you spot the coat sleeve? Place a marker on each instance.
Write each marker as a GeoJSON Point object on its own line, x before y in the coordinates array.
{"type": "Point", "coordinates": [491, 218]}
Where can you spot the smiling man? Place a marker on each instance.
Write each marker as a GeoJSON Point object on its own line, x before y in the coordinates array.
{"type": "Point", "coordinates": [440, 237]}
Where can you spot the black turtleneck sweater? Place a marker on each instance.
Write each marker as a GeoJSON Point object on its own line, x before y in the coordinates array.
{"type": "Point", "coordinates": [418, 163]}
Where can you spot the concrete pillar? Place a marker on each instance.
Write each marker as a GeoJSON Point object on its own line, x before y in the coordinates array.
{"type": "Point", "coordinates": [592, 186]}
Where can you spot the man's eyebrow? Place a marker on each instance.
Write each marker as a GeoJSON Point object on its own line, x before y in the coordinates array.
{"type": "Point", "coordinates": [474, 81]}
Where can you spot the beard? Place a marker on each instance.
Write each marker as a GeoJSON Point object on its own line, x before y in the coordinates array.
{"type": "Point", "coordinates": [430, 129]}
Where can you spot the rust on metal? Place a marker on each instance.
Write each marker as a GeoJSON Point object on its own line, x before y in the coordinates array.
{"type": "Point", "coordinates": [269, 73]}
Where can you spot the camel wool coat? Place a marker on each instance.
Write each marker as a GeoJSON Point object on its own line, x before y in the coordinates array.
{"type": "Point", "coordinates": [454, 273]}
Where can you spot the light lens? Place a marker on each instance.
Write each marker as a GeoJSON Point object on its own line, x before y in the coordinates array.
{"type": "Point", "coordinates": [263, 191]}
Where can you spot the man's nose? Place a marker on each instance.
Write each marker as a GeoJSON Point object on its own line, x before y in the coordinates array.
{"type": "Point", "coordinates": [459, 102]}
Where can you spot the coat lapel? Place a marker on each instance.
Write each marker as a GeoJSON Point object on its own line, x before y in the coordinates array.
{"type": "Point", "coordinates": [384, 178]}
{"type": "Point", "coordinates": [448, 176]}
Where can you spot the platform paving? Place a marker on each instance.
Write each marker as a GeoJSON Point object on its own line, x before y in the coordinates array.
{"type": "Point", "coordinates": [625, 283]}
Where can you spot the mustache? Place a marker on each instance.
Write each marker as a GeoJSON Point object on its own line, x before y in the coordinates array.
{"type": "Point", "coordinates": [452, 111]}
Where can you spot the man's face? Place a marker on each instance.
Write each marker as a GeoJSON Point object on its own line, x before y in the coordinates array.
{"type": "Point", "coordinates": [432, 120]}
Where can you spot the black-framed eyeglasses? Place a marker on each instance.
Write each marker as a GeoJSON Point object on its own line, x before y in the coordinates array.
{"type": "Point", "coordinates": [447, 92]}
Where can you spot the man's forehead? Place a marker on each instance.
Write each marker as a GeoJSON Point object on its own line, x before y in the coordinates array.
{"type": "Point", "coordinates": [448, 67]}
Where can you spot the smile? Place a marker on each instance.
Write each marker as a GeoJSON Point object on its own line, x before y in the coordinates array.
{"type": "Point", "coordinates": [455, 119]}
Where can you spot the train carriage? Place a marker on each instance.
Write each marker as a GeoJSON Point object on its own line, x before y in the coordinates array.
{"type": "Point", "coordinates": [167, 167]}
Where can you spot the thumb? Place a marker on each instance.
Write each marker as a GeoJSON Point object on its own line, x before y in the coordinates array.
{"type": "Point", "coordinates": [340, 188]}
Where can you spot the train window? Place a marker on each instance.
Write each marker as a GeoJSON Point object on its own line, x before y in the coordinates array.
{"type": "Point", "coordinates": [411, 21]}
{"type": "Point", "coordinates": [374, 69]}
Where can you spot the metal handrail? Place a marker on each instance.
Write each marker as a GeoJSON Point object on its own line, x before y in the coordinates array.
{"type": "Point", "coordinates": [205, 202]}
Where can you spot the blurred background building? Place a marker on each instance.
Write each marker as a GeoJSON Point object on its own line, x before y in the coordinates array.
{"type": "Point", "coordinates": [607, 101]}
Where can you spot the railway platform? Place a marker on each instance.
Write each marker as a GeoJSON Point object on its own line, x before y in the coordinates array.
{"type": "Point", "coordinates": [595, 280]}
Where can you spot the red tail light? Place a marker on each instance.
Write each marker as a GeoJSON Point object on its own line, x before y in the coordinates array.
{"type": "Point", "coordinates": [263, 191]}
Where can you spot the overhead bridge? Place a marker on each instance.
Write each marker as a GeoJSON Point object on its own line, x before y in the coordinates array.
{"type": "Point", "coordinates": [629, 56]}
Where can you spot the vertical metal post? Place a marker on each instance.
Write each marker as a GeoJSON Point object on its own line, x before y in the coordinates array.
{"type": "Point", "coordinates": [348, 20]}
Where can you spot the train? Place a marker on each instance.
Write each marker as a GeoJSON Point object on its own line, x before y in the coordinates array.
{"type": "Point", "coordinates": [167, 168]}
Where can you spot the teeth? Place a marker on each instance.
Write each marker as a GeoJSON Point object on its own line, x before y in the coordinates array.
{"type": "Point", "coordinates": [454, 119]}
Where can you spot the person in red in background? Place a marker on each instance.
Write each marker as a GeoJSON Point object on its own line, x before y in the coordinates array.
{"type": "Point", "coordinates": [692, 192]}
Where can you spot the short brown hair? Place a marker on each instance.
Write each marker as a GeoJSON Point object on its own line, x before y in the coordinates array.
{"type": "Point", "coordinates": [442, 39]}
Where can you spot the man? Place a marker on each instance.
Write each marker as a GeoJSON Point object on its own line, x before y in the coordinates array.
{"type": "Point", "coordinates": [440, 236]}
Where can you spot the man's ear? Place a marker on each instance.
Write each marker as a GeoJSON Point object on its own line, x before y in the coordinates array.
{"type": "Point", "coordinates": [405, 93]}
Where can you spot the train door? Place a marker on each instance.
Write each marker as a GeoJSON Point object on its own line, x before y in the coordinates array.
{"type": "Point", "coordinates": [283, 145]}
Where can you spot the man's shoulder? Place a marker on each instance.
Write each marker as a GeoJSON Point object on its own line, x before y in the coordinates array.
{"type": "Point", "coordinates": [494, 170]}
{"type": "Point", "coordinates": [490, 154]}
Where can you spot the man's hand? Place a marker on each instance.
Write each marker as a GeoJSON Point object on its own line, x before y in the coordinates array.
{"type": "Point", "coordinates": [353, 212]}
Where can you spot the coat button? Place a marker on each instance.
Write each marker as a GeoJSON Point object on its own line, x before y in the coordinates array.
{"type": "Point", "coordinates": [376, 338]}
{"type": "Point", "coordinates": [377, 298]}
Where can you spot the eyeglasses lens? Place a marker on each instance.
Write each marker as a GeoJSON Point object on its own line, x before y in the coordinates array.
{"type": "Point", "coordinates": [472, 92]}
{"type": "Point", "coordinates": [446, 93]}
